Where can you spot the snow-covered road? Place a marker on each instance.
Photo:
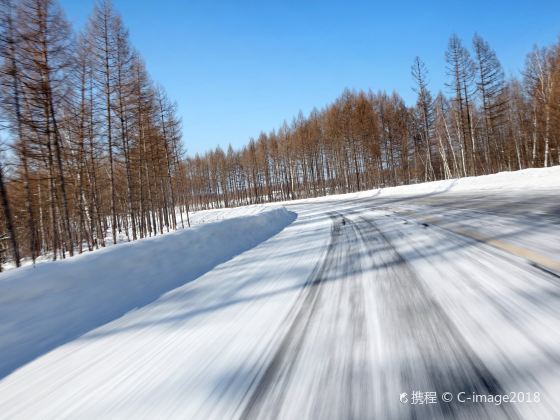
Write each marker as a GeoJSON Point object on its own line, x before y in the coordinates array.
{"type": "Point", "coordinates": [360, 300]}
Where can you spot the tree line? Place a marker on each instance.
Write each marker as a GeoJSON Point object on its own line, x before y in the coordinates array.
{"type": "Point", "coordinates": [92, 147]}
{"type": "Point", "coordinates": [92, 151]}
{"type": "Point", "coordinates": [479, 123]}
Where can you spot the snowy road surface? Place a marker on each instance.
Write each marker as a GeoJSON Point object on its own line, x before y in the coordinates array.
{"type": "Point", "coordinates": [357, 302]}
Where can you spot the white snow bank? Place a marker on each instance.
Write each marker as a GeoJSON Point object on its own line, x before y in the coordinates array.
{"type": "Point", "coordinates": [526, 180]}
{"type": "Point", "coordinates": [198, 217]}
{"type": "Point", "coordinates": [52, 303]}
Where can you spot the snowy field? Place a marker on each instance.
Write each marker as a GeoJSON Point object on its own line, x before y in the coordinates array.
{"type": "Point", "coordinates": [357, 306]}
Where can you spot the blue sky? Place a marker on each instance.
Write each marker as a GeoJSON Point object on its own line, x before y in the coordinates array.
{"type": "Point", "coordinates": [237, 68]}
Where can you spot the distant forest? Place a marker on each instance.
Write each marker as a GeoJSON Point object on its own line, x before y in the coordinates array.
{"type": "Point", "coordinates": [478, 123]}
{"type": "Point", "coordinates": [92, 150]}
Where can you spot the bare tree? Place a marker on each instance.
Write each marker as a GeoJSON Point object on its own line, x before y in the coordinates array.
{"type": "Point", "coordinates": [424, 106]}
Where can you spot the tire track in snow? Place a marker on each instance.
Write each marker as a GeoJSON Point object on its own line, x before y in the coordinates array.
{"type": "Point", "coordinates": [424, 349]}
{"type": "Point", "coordinates": [432, 355]}
{"type": "Point", "coordinates": [341, 390]}
{"type": "Point", "coordinates": [544, 263]}
{"type": "Point", "coordinates": [278, 370]}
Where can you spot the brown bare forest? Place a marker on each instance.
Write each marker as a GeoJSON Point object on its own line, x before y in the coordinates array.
{"type": "Point", "coordinates": [92, 151]}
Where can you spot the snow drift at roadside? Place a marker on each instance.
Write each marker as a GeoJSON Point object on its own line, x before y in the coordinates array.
{"type": "Point", "coordinates": [52, 303]}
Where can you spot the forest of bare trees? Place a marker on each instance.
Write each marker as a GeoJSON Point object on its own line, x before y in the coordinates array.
{"type": "Point", "coordinates": [479, 123]}
{"type": "Point", "coordinates": [92, 151]}
{"type": "Point", "coordinates": [91, 147]}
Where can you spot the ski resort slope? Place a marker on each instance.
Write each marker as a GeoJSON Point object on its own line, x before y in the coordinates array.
{"type": "Point", "coordinates": [355, 310]}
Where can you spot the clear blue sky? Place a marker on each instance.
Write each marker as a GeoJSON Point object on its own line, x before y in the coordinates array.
{"type": "Point", "coordinates": [240, 67]}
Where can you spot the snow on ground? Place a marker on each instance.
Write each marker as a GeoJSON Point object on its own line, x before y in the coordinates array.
{"type": "Point", "coordinates": [213, 215]}
{"type": "Point", "coordinates": [447, 286]}
{"type": "Point", "coordinates": [231, 305]}
{"type": "Point", "coordinates": [495, 303]}
{"type": "Point", "coordinates": [520, 182]}
{"type": "Point", "coordinates": [52, 303]}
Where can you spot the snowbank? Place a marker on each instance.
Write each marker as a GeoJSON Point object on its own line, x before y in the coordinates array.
{"type": "Point", "coordinates": [52, 303]}
{"type": "Point", "coordinates": [199, 217]}
{"type": "Point", "coordinates": [525, 180]}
